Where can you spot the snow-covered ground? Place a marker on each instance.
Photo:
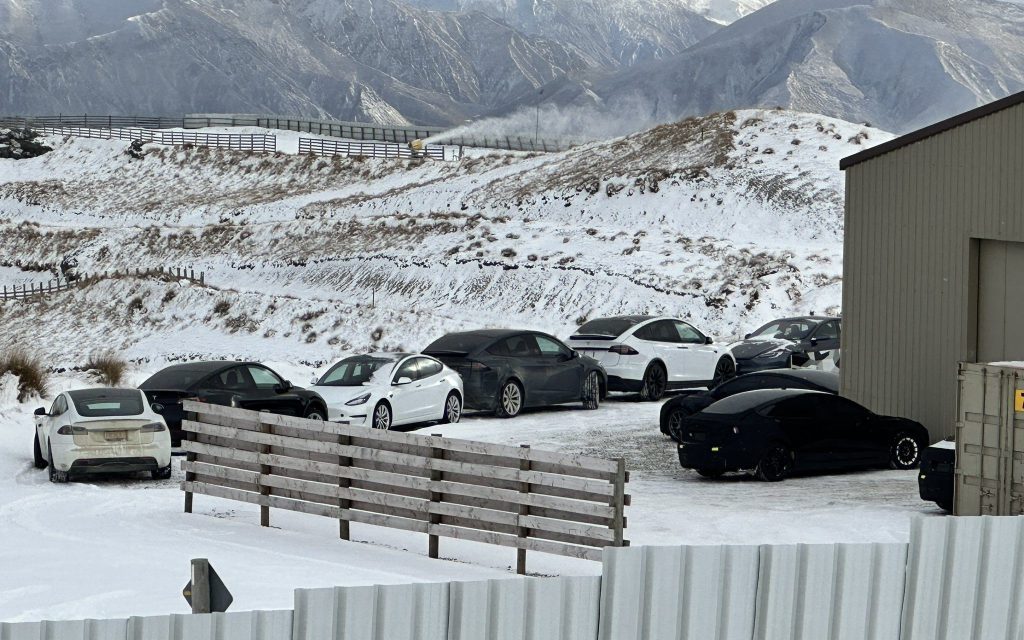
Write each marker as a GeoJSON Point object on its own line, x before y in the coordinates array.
{"type": "Point", "coordinates": [118, 546]}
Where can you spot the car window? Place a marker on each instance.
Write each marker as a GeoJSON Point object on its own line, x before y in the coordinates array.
{"type": "Point", "coordinates": [798, 407]}
{"type": "Point", "coordinates": [660, 331]}
{"type": "Point", "coordinates": [59, 406]}
{"type": "Point", "coordinates": [609, 327]}
{"type": "Point", "coordinates": [409, 369]}
{"type": "Point", "coordinates": [828, 331]}
{"type": "Point", "coordinates": [549, 347]}
{"type": "Point", "coordinates": [841, 408]}
{"type": "Point", "coordinates": [353, 371]}
{"type": "Point", "coordinates": [97, 403]}
{"type": "Point", "coordinates": [428, 367]}
{"type": "Point", "coordinates": [687, 334]}
{"type": "Point", "coordinates": [233, 379]}
{"type": "Point", "coordinates": [523, 346]}
{"type": "Point", "coordinates": [264, 378]}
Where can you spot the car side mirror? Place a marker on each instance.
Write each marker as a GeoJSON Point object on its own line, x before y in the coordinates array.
{"type": "Point", "coordinates": [314, 381]}
{"type": "Point", "coordinates": [709, 340]}
{"type": "Point", "coordinates": [283, 387]}
{"type": "Point", "coordinates": [403, 380]}
{"type": "Point", "coordinates": [576, 354]}
{"type": "Point", "coordinates": [41, 411]}
{"type": "Point", "coordinates": [157, 407]}
{"type": "Point", "coordinates": [814, 342]}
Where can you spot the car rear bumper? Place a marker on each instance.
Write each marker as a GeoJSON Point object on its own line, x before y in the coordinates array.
{"type": "Point", "coordinates": [936, 486]}
{"type": "Point", "coordinates": [700, 455]}
{"type": "Point", "coordinates": [618, 383]}
{"type": "Point", "coordinates": [115, 465]}
{"type": "Point", "coordinates": [69, 457]}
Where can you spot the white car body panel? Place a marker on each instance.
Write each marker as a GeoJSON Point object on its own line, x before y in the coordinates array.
{"type": "Point", "coordinates": [421, 400]}
{"type": "Point", "coordinates": [101, 438]}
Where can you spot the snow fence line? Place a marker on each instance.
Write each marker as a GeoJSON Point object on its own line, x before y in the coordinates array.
{"type": "Point", "coordinates": [958, 578]}
{"type": "Point", "coordinates": [31, 289]}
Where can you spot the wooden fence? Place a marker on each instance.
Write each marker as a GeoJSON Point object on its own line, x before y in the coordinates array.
{"type": "Point", "coordinates": [510, 496]}
{"type": "Point", "coordinates": [56, 285]}
{"type": "Point", "coordinates": [260, 143]}
{"type": "Point", "coordinates": [323, 147]}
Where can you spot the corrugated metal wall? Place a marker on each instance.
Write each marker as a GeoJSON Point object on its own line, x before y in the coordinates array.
{"type": "Point", "coordinates": [244, 625]}
{"type": "Point", "coordinates": [909, 314]}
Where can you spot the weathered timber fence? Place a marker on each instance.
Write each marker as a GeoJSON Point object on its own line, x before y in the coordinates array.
{"type": "Point", "coordinates": [259, 143]}
{"type": "Point", "coordinates": [510, 496]}
{"type": "Point", "coordinates": [56, 285]}
{"type": "Point", "coordinates": [321, 147]}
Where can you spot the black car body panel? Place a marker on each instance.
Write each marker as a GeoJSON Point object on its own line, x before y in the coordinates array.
{"type": "Point", "coordinates": [690, 404]}
{"type": "Point", "coordinates": [788, 342]}
{"type": "Point", "coordinates": [937, 476]}
{"type": "Point", "coordinates": [822, 430]}
{"type": "Point", "coordinates": [247, 385]}
{"type": "Point", "coordinates": [487, 359]}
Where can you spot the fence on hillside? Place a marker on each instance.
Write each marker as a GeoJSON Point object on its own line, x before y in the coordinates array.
{"type": "Point", "coordinates": [510, 496]}
{"type": "Point", "coordinates": [321, 147]}
{"type": "Point", "coordinates": [957, 578]}
{"type": "Point", "coordinates": [259, 143]}
{"type": "Point", "coordinates": [56, 285]}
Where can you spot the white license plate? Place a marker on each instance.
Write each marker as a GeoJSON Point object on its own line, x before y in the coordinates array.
{"type": "Point", "coordinates": [115, 436]}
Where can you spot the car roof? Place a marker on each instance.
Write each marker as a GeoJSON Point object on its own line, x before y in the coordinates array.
{"type": "Point", "coordinates": [207, 366]}
{"type": "Point", "coordinates": [99, 392]}
{"type": "Point", "coordinates": [740, 402]}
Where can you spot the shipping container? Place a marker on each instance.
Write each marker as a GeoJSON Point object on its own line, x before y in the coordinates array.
{"type": "Point", "coordinates": [990, 440]}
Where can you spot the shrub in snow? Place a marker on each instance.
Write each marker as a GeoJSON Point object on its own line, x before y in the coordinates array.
{"type": "Point", "coordinates": [27, 368]}
{"type": "Point", "coordinates": [106, 368]}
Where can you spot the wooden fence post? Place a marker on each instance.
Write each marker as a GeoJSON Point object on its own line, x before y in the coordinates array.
{"type": "Point", "coordinates": [524, 510]}
{"type": "Point", "coordinates": [436, 453]}
{"type": "Point", "coordinates": [189, 457]}
{"type": "Point", "coordinates": [200, 585]}
{"type": "Point", "coordinates": [619, 501]}
{"type": "Point", "coordinates": [265, 470]}
{"type": "Point", "coordinates": [343, 504]}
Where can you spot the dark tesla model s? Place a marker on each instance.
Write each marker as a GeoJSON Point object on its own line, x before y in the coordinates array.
{"type": "Point", "coordinates": [506, 371]}
{"type": "Point", "coordinates": [787, 342]}
{"type": "Point", "coordinates": [775, 432]}
{"type": "Point", "coordinates": [675, 410]}
{"type": "Point", "coordinates": [248, 385]}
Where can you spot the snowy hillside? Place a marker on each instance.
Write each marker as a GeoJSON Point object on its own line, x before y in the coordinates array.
{"type": "Point", "coordinates": [729, 220]}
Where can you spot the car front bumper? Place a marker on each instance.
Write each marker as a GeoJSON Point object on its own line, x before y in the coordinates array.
{"type": "Point", "coordinates": [357, 416]}
{"type": "Point", "coordinates": [750, 365]}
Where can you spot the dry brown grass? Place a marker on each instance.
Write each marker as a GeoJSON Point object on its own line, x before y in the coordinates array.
{"type": "Point", "coordinates": [28, 368]}
{"type": "Point", "coordinates": [107, 368]}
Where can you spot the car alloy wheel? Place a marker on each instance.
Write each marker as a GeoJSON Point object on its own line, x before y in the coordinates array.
{"type": "Point", "coordinates": [382, 417]}
{"type": "Point", "coordinates": [675, 424]}
{"type": "Point", "coordinates": [655, 381]}
{"type": "Point", "coordinates": [452, 409]}
{"type": "Point", "coordinates": [775, 464]}
{"type": "Point", "coordinates": [724, 370]}
{"type": "Point", "coordinates": [905, 452]}
{"type": "Point", "coordinates": [592, 391]}
{"type": "Point", "coordinates": [510, 402]}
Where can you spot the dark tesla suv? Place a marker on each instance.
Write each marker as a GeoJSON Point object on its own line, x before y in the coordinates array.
{"type": "Point", "coordinates": [789, 342]}
{"type": "Point", "coordinates": [775, 432]}
{"type": "Point", "coordinates": [675, 410]}
{"type": "Point", "coordinates": [506, 371]}
{"type": "Point", "coordinates": [248, 385]}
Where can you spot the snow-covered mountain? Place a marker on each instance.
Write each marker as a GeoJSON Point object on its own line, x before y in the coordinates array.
{"type": "Point", "coordinates": [729, 219]}
{"type": "Point", "coordinates": [899, 64]}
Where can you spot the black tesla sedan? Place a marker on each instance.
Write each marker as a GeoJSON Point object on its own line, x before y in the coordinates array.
{"type": "Point", "coordinates": [506, 370]}
{"type": "Point", "coordinates": [673, 411]}
{"type": "Point", "coordinates": [248, 385]}
{"type": "Point", "coordinates": [789, 342]}
{"type": "Point", "coordinates": [775, 432]}
{"type": "Point", "coordinates": [937, 476]}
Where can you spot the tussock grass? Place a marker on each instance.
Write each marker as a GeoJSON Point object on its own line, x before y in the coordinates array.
{"type": "Point", "coordinates": [107, 368]}
{"type": "Point", "coordinates": [28, 368]}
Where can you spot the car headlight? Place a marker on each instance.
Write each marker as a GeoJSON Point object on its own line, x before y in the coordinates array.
{"type": "Point", "coordinates": [358, 400]}
{"type": "Point", "coordinates": [774, 353]}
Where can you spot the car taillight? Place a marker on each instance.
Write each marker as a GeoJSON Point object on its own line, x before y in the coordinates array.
{"type": "Point", "coordinates": [68, 430]}
{"type": "Point", "coordinates": [623, 350]}
{"type": "Point", "coordinates": [478, 366]}
{"type": "Point", "coordinates": [153, 427]}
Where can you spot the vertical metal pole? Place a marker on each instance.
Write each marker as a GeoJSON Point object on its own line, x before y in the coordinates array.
{"type": "Point", "coordinates": [524, 510]}
{"type": "Point", "coordinates": [200, 585]}
{"type": "Point", "coordinates": [436, 453]}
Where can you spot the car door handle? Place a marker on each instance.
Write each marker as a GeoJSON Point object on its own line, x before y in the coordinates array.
{"type": "Point", "coordinates": [682, 347]}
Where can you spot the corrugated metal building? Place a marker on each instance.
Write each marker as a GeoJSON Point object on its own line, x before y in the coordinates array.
{"type": "Point", "coordinates": [933, 268]}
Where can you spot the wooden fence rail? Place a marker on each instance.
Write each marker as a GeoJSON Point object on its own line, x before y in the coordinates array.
{"type": "Point", "coordinates": [260, 143]}
{"type": "Point", "coordinates": [321, 147]}
{"type": "Point", "coordinates": [56, 285]}
{"type": "Point", "coordinates": [510, 496]}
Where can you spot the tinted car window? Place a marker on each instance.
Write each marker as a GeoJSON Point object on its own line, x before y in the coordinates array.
{"type": "Point", "coordinates": [798, 407]}
{"type": "Point", "coordinates": [687, 334]}
{"type": "Point", "coordinates": [233, 379]}
{"type": "Point", "coordinates": [264, 378]}
{"type": "Point", "coordinates": [428, 367]}
{"type": "Point", "coordinates": [90, 403]}
{"type": "Point", "coordinates": [458, 343]}
{"type": "Point", "coordinates": [739, 385]}
{"type": "Point", "coordinates": [409, 369]}
{"type": "Point", "coordinates": [660, 331]}
{"type": "Point", "coordinates": [834, 406]}
{"type": "Point", "coordinates": [174, 378]}
{"type": "Point", "coordinates": [791, 329]}
{"type": "Point", "coordinates": [353, 371]}
{"type": "Point", "coordinates": [549, 347]}
{"type": "Point", "coordinates": [745, 401]}
{"type": "Point", "coordinates": [499, 348]}
{"type": "Point", "coordinates": [522, 346]}
{"type": "Point", "coordinates": [609, 327]}
{"type": "Point", "coordinates": [59, 406]}
{"type": "Point", "coordinates": [828, 331]}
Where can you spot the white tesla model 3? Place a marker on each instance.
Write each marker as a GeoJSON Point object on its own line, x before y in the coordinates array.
{"type": "Point", "coordinates": [101, 431]}
{"type": "Point", "coordinates": [384, 390]}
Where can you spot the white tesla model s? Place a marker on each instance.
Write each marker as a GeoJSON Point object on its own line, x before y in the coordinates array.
{"type": "Point", "coordinates": [384, 390]}
{"type": "Point", "coordinates": [101, 431]}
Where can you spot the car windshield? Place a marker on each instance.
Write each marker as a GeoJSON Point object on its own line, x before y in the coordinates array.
{"type": "Point", "coordinates": [180, 378]}
{"type": "Point", "coordinates": [609, 327]}
{"type": "Point", "coordinates": [99, 403]}
{"type": "Point", "coordinates": [791, 329]}
{"type": "Point", "coordinates": [354, 371]}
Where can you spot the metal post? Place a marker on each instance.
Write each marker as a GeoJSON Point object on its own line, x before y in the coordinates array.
{"type": "Point", "coordinates": [200, 585]}
{"type": "Point", "coordinates": [524, 510]}
{"type": "Point", "coordinates": [436, 453]}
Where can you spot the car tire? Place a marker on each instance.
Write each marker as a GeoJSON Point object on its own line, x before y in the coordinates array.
{"type": "Point", "coordinates": [775, 465]}
{"type": "Point", "coordinates": [592, 391]}
{"type": "Point", "coordinates": [710, 473]}
{"type": "Point", "coordinates": [315, 413]}
{"type": "Point", "coordinates": [56, 475]}
{"type": "Point", "coordinates": [452, 409]}
{"type": "Point", "coordinates": [724, 370]}
{"type": "Point", "coordinates": [510, 400]}
{"type": "Point", "coordinates": [904, 451]}
{"type": "Point", "coordinates": [381, 418]}
{"type": "Point", "coordinates": [38, 461]}
{"type": "Point", "coordinates": [674, 423]}
{"type": "Point", "coordinates": [163, 473]}
{"type": "Point", "coordinates": [655, 381]}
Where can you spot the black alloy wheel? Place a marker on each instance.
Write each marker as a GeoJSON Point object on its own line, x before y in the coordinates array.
{"type": "Point", "coordinates": [724, 370]}
{"type": "Point", "coordinates": [163, 473]}
{"type": "Point", "coordinates": [775, 465]}
{"type": "Point", "coordinates": [674, 426]}
{"type": "Point", "coordinates": [655, 382]}
{"type": "Point", "coordinates": [592, 390]}
{"type": "Point", "coordinates": [381, 418]}
{"type": "Point", "coordinates": [904, 451]}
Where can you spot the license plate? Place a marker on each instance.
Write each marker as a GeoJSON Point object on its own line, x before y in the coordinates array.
{"type": "Point", "coordinates": [115, 436]}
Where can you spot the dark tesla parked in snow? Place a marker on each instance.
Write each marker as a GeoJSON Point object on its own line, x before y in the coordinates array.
{"type": "Point", "coordinates": [789, 342]}
{"type": "Point", "coordinates": [247, 385]}
{"type": "Point", "coordinates": [675, 410]}
{"type": "Point", "coordinates": [506, 371]}
{"type": "Point", "coordinates": [937, 476]}
{"type": "Point", "coordinates": [776, 432]}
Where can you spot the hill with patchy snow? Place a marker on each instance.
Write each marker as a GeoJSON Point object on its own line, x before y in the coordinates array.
{"type": "Point", "coordinates": [729, 220]}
